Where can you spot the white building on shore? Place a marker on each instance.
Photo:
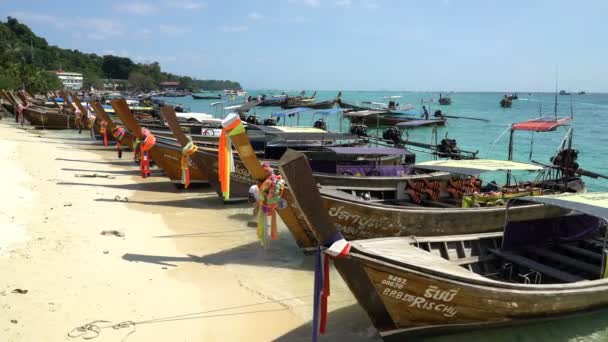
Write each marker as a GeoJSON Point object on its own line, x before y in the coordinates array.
{"type": "Point", "coordinates": [70, 80]}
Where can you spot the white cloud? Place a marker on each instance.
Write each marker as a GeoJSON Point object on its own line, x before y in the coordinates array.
{"type": "Point", "coordinates": [29, 17]}
{"type": "Point", "coordinates": [298, 19]}
{"type": "Point", "coordinates": [255, 16]}
{"type": "Point", "coordinates": [138, 8]}
{"type": "Point", "coordinates": [309, 3]}
{"type": "Point", "coordinates": [233, 29]}
{"type": "Point", "coordinates": [344, 3]}
{"type": "Point", "coordinates": [186, 4]}
{"type": "Point", "coordinates": [101, 27]}
{"type": "Point", "coordinates": [143, 33]}
{"type": "Point", "coordinates": [172, 30]}
{"type": "Point", "coordinates": [370, 4]}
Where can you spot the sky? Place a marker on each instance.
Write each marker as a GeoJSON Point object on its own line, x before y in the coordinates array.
{"type": "Point", "coordinates": [435, 45]}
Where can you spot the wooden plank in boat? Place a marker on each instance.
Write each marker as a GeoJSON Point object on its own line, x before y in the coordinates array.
{"type": "Point", "coordinates": [544, 269]}
{"type": "Point", "coordinates": [581, 251]}
{"type": "Point", "coordinates": [566, 260]}
{"type": "Point", "coordinates": [400, 250]}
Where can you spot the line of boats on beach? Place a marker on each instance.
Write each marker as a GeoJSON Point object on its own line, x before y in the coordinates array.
{"type": "Point", "coordinates": [426, 248]}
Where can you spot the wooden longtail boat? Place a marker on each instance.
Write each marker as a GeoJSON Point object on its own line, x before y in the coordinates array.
{"type": "Point", "coordinates": [536, 270]}
{"type": "Point", "coordinates": [389, 118]}
{"type": "Point", "coordinates": [49, 118]}
{"type": "Point", "coordinates": [111, 126]}
{"type": "Point", "coordinates": [206, 97]}
{"type": "Point", "coordinates": [166, 153]}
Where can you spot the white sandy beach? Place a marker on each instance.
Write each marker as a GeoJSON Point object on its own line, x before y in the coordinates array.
{"type": "Point", "coordinates": [187, 269]}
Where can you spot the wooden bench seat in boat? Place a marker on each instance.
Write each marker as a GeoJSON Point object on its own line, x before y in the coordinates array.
{"type": "Point", "coordinates": [401, 251]}
{"type": "Point", "coordinates": [543, 269]}
{"type": "Point", "coordinates": [581, 251]}
{"type": "Point", "coordinates": [566, 260]}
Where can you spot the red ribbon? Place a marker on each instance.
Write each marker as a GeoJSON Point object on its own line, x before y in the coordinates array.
{"type": "Point", "coordinates": [146, 145]}
{"type": "Point", "coordinates": [103, 131]}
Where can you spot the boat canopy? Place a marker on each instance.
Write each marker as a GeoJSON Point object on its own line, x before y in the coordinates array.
{"type": "Point", "coordinates": [288, 129]}
{"type": "Point", "coordinates": [329, 111]}
{"type": "Point", "coordinates": [232, 107]}
{"type": "Point", "coordinates": [591, 203]}
{"type": "Point", "coordinates": [545, 124]}
{"type": "Point", "coordinates": [290, 112]}
{"type": "Point", "coordinates": [417, 123]}
{"type": "Point", "coordinates": [370, 151]}
{"type": "Point", "coordinates": [476, 166]}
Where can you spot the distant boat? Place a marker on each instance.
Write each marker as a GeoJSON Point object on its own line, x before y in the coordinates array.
{"type": "Point", "coordinates": [514, 96]}
{"type": "Point", "coordinates": [582, 92]}
{"type": "Point", "coordinates": [444, 101]}
{"type": "Point", "coordinates": [563, 92]}
{"type": "Point", "coordinates": [206, 97]}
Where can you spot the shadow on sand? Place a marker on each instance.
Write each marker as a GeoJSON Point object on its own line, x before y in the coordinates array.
{"type": "Point", "coordinates": [125, 161]}
{"type": "Point", "coordinates": [134, 172]}
{"type": "Point", "coordinates": [163, 186]}
{"type": "Point", "coordinates": [349, 323]}
{"type": "Point", "coordinates": [206, 202]}
{"type": "Point", "coordinates": [281, 253]}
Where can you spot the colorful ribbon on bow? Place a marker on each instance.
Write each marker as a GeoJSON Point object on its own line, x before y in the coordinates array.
{"type": "Point", "coordinates": [187, 151]}
{"type": "Point", "coordinates": [146, 145]}
{"type": "Point", "coordinates": [118, 133]}
{"type": "Point", "coordinates": [269, 197]}
{"type": "Point", "coordinates": [336, 247]}
{"type": "Point", "coordinates": [78, 115]}
{"type": "Point", "coordinates": [232, 125]}
{"type": "Point", "coordinates": [104, 132]}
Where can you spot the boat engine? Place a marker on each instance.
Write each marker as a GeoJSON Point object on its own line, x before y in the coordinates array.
{"type": "Point", "coordinates": [566, 160]}
{"type": "Point", "coordinates": [359, 130]}
{"type": "Point", "coordinates": [391, 133]}
{"type": "Point", "coordinates": [438, 113]}
{"type": "Point", "coordinates": [252, 119]}
{"type": "Point", "coordinates": [179, 109]}
{"type": "Point", "coordinates": [320, 124]}
{"type": "Point", "coordinates": [269, 122]}
{"type": "Point", "coordinates": [448, 148]}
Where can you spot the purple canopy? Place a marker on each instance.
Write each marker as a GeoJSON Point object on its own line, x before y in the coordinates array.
{"type": "Point", "coordinates": [562, 228]}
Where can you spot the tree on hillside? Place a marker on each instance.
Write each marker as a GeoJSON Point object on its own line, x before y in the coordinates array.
{"type": "Point", "coordinates": [140, 81]}
{"type": "Point", "coordinates": [117, 67]}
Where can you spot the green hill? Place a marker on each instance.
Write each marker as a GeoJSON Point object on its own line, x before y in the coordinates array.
{"type": "Point", "coordinates": [26, 59]}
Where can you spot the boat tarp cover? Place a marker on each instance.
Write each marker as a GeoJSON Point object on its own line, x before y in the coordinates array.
{"type": "Point", "coordinates": [370, 151]}
{"type": "Point", "coordinates": [289, 129]}
{"type": "Point", "coordinates": [476, 166]}
{"type": "Point", "coordinates": [540, 124]}
{"type": "Point", "coordinates": [520, 234]}
{"type": "Point", "coordinates": [329, 111]}
{"type": "Point", "coordinates": [291, 112]}
{"type": "Point", "coordinates": [592, 203]}
{"type": "Point", "coordinates": [417, 123]}
{"type": "Point", "coordinates": [304, 133]}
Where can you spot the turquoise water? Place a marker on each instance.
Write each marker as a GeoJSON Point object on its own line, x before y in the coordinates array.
{"type": "Point", "coordinates": [589, 124]}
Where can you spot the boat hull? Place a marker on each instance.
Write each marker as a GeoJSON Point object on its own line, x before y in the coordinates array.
{"type": "Point", "coordinates": [402, 301]}
{"type": "Point", "coordinates": [49, 119]}
{"type": "Point", "coordinates": [167, 156]}
{"type": "Point", "coordinates": [360, 220]}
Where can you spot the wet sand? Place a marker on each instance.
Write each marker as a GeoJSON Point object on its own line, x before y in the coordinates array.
{"type": "Point", "coordinates": [187, 269]}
